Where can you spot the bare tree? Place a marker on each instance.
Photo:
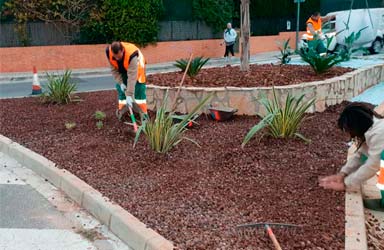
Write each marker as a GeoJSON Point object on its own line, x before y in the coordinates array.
{"type": "Point", "coordinates": [245, 33]}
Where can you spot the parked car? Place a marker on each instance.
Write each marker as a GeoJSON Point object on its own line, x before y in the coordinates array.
{"type": "Point", "coordinates": [346, 22]}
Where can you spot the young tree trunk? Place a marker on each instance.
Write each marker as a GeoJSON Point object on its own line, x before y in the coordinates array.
{"type": "Point", "coordinates": [245, 33]}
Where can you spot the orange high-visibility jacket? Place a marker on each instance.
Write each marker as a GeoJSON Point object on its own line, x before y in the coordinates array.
{"type": "Point", "coordinates": [130, 52]}
{"type": "Point", "coordinates": [316, 26]}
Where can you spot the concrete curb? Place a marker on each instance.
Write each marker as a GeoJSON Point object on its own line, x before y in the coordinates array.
{"type": "Point", "coordinates": [123, 224]}
{"type": "Point", "coordinates": [355, 231]}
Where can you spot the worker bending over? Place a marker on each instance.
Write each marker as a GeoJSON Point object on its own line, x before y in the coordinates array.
{"type": "Point", "coordinates": [128, 68]}
{"type": "Point", "coordinates": [314, 31]}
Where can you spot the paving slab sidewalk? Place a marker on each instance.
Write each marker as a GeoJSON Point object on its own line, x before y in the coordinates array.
{"type": "Point", "coordinates": [34, 215]}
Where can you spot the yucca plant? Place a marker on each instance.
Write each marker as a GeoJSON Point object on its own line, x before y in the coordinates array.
{"type": "Point", "coordinates": [320, 63]}
{"type": "Point", "coordinates": [196, 64]}
{"type": "Point", "coordinates": [281, 121]}
{"type": "Point", "coordinates": [162, 133]}
{"type": "Point", "coordinates": [59, 89]}
{"type": "Point", "coordinates": [285, 51]}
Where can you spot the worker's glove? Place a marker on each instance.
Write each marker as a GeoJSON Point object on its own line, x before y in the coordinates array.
{"type": "Point", "coordinates": [129, 101]}
{"type": "Point", "coordinates": [122, 87]}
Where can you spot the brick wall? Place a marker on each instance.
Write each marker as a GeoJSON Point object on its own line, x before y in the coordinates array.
{"type": "Point", "coordinates": [22, 59]}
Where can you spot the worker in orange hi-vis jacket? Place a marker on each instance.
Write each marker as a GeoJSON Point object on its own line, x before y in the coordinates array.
{"type": "Point", "coordinates": [128, 68]}
{"type": "Point", "coordinates": [314, 31]}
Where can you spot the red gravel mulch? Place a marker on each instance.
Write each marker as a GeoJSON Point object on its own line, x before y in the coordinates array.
{"type": "Point", "coordinates": [264, 75]}
{"type": "Point", "coordinates": [196, 196]}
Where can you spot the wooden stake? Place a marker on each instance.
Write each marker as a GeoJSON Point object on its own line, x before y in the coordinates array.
{"type": "Point", "coordinates": [181, 83]}
{"type": "Point", "coordinates": [245, 34]}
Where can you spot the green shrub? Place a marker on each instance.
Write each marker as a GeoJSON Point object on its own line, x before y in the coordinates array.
{"type": "Point", "coordinates": [281, 121]}
{"type": "Point", "coordinates": [162, 133]}
{"type": "Point", "coordinates": [59, 89]}
{"type": "Point", "coordinates": [216, 13]}
{"type": "Point", "coordinates": [320, 63]}
{"type": "Point", "coordinates": [285, 51]}
{"type": "Point", "coordinates": [194, 68]}
{"type": "Point", "coordinates": [70, 125]}
{"type": "Point", "coordinates": [135, 21]}
{"type": "Point", "coordinates": [100, 115]}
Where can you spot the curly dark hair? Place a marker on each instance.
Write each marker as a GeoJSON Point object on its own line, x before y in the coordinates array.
{"type": "Point", "coordinates": [356, 119]}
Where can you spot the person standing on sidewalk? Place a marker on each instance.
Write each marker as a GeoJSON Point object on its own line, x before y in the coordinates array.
{"type": "Point", "coordinates": [230, 40]}
{"type": "Point", "coordinates": [128, 68]}
{"type": "Point", "coordinates": [366, 127]}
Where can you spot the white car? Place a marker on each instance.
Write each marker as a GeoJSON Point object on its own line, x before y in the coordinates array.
{"type": "Point", "coordinates": [346, 22]}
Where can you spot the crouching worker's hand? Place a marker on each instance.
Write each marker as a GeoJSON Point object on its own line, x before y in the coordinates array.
{"type": "Point", "coordinates": [334, 182]}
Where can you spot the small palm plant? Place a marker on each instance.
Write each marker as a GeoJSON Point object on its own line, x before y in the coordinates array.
{"type": "Point", "coordinates": [319, 63]}
{"type": "Point", "coordinates": [196, 65]}
{"type": "Point", "coordinates": [285, 51]}
{"type": "Point", "coordinates": [59, 89]}
{"type": "Point", "coordinates": [281, 121]}
{"type": "Point", "coordinates": [162, 133]}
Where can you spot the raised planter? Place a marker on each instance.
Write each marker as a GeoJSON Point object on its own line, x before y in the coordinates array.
{"type": "Point", "coordinates": [327, 93]}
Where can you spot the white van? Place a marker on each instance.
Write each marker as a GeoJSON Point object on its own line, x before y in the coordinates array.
{"type": "Point", "coordinates": [372, 37]}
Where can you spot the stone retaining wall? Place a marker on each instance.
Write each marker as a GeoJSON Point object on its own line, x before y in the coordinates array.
{"type": "Point", "coordinates": [328, 92]}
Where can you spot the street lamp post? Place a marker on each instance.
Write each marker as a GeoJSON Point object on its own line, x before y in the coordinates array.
{"type": "Point", "coordinates": [298, 21]}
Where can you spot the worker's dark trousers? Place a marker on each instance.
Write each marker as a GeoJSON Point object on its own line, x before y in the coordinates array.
{"type": "Point", "coordinates": [229, 48]}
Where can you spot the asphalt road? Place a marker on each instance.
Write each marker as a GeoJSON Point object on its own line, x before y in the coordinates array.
{"type": "Point", "coordinates": [87, 83]}
{"type": "Point", "coordinates": [13, 88]}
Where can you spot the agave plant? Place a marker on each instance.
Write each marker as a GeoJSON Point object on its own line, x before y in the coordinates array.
{"type": "Point", "coordinates": [320, 63]}
{"type": "Point", "coordinates": [285, 51]}
{"type": "Point", "coordinates": [59, 89]}
{"type": "Point", "coordinates": [281, 121]}
{"type": "Point", "coordinates": [194, 68]}
{"type": "Point", "coordinates": [162, 133]}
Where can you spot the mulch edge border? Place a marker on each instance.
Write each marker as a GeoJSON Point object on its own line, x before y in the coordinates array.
{"type": "Point", "coordinates": [123, 224]}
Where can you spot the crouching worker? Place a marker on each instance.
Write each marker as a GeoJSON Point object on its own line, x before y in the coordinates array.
{"type": "Point", "coordinates": [128, 68]}
{"type": "Point", "coordinates": [364, 125]}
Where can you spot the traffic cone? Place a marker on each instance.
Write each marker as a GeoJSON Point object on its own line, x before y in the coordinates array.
{"type": "Point", "coordinates": [36, 88]}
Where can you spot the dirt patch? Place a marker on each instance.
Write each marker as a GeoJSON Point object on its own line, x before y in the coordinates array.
{"type": "Point", "coordinates": [265, 75]}
{"type": "Point", "coordinates": [196, 196]}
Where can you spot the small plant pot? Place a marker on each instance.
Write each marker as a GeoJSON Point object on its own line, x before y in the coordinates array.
{"type": "Point", "coordinates": [222, 113]}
